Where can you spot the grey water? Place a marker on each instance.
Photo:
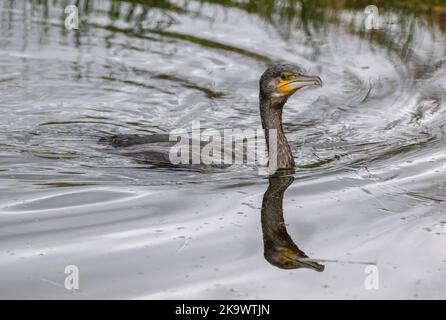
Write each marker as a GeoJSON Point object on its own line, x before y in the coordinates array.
{"type": "Point", "coordinates": [369, 186]}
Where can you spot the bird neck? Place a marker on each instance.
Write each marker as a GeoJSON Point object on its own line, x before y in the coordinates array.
{"type": "Point", "coordinates": [271, 114]}
{"type": "Point", "coordinates": [273, 225]}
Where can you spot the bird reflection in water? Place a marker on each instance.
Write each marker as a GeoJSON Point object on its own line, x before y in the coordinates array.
{"type": "Point", "coordinates": [277, 84]}
{"type": "Point", "coordinates": [279, 249]}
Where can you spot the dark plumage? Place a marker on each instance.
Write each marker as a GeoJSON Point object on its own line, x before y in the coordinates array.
{"type": "Point", "coordinates": [277, 84]}
{"type": "Point", "coordinates": [272, 100]}
{"type": "Point", "coordinates": [279, 249]}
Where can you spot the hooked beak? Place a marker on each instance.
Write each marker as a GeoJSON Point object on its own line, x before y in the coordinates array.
{"type": "Point", "coordinates": [295, 259]}
{"type": "Point", "coordinates": [304, 80]}
{"type": "Point", "coordinates": [289, 87]}
{"type": "Point", "coordinates": [310, 264]}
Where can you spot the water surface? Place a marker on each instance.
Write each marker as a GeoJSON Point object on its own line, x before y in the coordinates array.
{"type": "Point", "coordinates": [369, 182]}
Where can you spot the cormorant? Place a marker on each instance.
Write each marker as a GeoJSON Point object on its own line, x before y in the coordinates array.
{"type": "Point", "coordinates": [277, 84]}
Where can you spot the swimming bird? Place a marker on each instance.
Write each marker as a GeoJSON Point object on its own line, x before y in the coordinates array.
{"type": "Point", "coordinates": [276, 85]}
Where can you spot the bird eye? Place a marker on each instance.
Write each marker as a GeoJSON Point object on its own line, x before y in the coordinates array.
{"type": "Point", "coordinates": [287, 76]}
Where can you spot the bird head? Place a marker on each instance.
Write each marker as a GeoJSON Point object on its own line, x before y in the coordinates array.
{"type": "Point", "coordinates": [282, 80]}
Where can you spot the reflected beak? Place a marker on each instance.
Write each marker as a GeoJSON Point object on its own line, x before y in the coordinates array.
{"type": "Point", "coordinates": [289, 87]}
{"type": "Point", "coordinates": [310, 264]}
{"type": "Point", "coordinates": [297, 259]}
